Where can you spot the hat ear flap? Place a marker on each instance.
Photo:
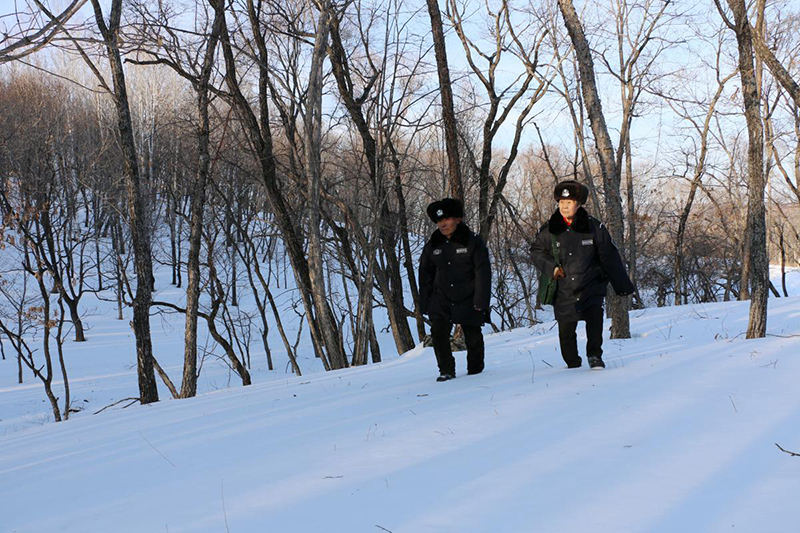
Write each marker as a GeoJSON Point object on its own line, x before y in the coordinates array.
{"type": "Point", "coordinates": [432, 208]}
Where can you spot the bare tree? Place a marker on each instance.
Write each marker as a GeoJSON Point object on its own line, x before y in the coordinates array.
{"type": "Point", "coordinates": [183, 58]}
{"type": "Point", "coordinates": [637, 30]}
{"type": "Point", "coordinates": [698, 162]}
{"type": "Point", "coordinates": [379, 149]}
{"type": "Point", "coordinates": [313, 129]}
{"type": "Point", "coordinates": [448, 109]}
{"type": "Point", "coordinates": [756, 218]}
{"type": "Point", "coordinates": [618, 306]}
{"type": "Point", "coordinates": [518, 95]}
{"type": "Point", "coordinates": [259, 134]}
{"type": "Point", "coordinates": [138, 217]}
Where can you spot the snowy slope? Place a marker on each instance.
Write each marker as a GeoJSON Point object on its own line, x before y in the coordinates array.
{"type": "Point", "coordinates": [678, 434]}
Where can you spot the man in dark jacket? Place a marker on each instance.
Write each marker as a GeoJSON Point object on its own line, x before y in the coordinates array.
{"type": "Point", "coordinates": [587, 261]}
{"type": "Point", "coordinates": [454, 286]}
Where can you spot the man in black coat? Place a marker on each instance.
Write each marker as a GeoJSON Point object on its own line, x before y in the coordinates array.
{"type": "Point", "coordinates": [587, 261]}
{"type": "Point", "coordinates": [454, 286]}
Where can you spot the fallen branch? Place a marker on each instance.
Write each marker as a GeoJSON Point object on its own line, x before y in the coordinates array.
{"type": "Point", "coordinates": [132, 400]}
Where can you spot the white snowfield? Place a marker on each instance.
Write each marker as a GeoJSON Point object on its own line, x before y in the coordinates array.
{"type": "Point", "coordinates": [678, 435]}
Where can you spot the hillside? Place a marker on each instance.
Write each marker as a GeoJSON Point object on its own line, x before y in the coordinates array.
{"type": "Point", "coordinates": [678, 434]}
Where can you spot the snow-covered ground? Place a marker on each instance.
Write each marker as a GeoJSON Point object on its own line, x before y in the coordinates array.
{"type": "Point", "coordinates": [678, 434]}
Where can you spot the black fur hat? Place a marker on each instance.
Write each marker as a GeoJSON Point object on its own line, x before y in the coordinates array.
{"type": "Point", "coordinates": [571, 190]}
{"type": "Point", "coordinates": [447, 207]}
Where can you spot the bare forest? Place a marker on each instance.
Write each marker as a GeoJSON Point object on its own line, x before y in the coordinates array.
{"type": "Point", "coordinates": [250, 147]}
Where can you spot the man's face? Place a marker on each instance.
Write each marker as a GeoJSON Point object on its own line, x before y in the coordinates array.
{"type": "Point", "coordinates": [568, 208]}
{"type": "Point", "coordinates": [448, 225]}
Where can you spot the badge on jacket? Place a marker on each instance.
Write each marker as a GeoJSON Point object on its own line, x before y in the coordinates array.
{"type": "Point", "coordinates": [587, 242]}
{"type": "Point", "coordinates": [437, 251]}
{"type": "Point", "coordinates": [461, 250]}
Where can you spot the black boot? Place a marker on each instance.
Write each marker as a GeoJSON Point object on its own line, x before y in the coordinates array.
{"type": "Point", "coordinates": [596, 363]}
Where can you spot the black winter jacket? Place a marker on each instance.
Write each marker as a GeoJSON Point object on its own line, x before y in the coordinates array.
{"type": "Point", "coordinates": [455, 277]}
{"type": "Point", "coordinates": [590, 260]}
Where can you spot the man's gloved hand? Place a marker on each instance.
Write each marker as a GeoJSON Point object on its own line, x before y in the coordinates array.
{"type": "Point", "coordinates": [558, 273]}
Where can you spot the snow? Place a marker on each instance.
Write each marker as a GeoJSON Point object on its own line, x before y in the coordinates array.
{"type": "Point", "coordinates": [677, 434]}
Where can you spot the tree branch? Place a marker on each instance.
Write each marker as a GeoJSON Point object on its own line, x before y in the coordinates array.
{"type": "Point", "coordinates": [787, 451]}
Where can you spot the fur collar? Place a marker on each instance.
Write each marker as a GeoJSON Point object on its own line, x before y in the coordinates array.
{"type": "Point", "coordinates": [461, 235]}
{"type": "Point", "coordinates": [557, 225]}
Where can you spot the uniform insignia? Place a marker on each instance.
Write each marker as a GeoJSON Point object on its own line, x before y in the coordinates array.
{"type": "Point", "coordinates": [587, 242]}
{"type": "Point", "coordinates": [437, 251]}
{"type": "Point", "coordinates": [461, 250]}
{"type": "Point", "coordinates": [439, 212]}
{"type": "Point", "coordinates": [565, 193]}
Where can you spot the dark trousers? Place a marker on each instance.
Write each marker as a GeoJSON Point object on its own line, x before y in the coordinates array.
{"type": "Point", "coordinates": [567, 335]}
{"type": "Point", "coordinates": [440, 335]}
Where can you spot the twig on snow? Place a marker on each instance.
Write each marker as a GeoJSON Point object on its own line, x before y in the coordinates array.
{"type": "Point", "coordinates": [156, 449]}
{"type": "Point", "coordinates": [224, 511]}
{"type": "Point", "coordinates": [132, 400]}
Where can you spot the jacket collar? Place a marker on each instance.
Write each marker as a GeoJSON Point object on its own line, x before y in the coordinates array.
{"type": "Point", "coordinates": [557, 225]}
{"type": "Point", "coordinates": [461, 236]}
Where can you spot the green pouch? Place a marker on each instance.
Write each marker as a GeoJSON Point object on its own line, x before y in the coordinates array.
{"type": "Point", "coordinates": [548, 285]}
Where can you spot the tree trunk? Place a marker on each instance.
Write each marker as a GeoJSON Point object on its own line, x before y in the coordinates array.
{"type": "Point", "coordinates": [137, 210]}
{"type": "Point", "coordinates": [617, 306]}
{"type": "Point", "coordinates": [448, 109]}
{"type": "Point", "coordinates": [782, 244]}
{"type": "Point", "coordinates": [189, 380]}
{"type": "Point", "coordinates": [61, 363]}
{"type": "Point", "coordinates": [756, 212]}
{"type": "Point", "coordinates": [313, 123]}
{"type": "Point", "coordinates": [408, 261]}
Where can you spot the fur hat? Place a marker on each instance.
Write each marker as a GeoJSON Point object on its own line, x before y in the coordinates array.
{"type": "Point", "coordinates": [571, 190]}
{"type": "Point", "coordinates": [445, 208]}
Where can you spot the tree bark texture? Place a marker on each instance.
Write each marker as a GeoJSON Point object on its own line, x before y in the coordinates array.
{"type": "Point", "coordinates": [448, 109]}
{"type": "Point", "coordinates": [756, 209]}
